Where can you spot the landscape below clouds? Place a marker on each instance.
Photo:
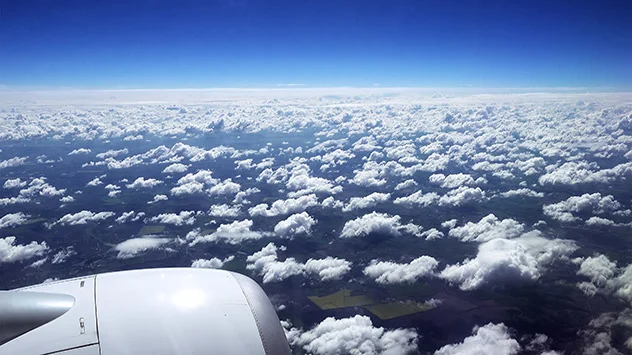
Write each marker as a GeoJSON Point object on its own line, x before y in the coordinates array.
{"type": "Point", "coordinates": [379, 221]}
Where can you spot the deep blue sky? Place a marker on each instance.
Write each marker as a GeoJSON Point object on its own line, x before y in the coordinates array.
{"type": "Point", "coordinates": [245, 43]}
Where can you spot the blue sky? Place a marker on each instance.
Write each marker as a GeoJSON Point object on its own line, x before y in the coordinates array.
{"type": "Point", "coordinates": [266, 43]}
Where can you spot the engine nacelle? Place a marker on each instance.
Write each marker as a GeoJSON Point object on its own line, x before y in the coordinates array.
{"type": "Point", "coordinates": [152, 311]}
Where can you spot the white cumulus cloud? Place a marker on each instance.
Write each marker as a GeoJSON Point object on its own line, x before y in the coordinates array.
{"type": "Point", "coordinates": [130, 216]}
{"type": "Point", "coordinates": [593, 203]}
{"type": "Point", "coordinates": [80, 151]}
{"type": "Point", "coordinates": [573, 173]}
{"type": "Point", "coordinates": [367, 201]}
{"type": "Point", "coordinates": [599, 269]}
{"type": "Point", "coordinates": [406, 185]}
{"type": "Point", "coordinates": [282, 207]}
{"type": "Point", "coordinates": [84, 217]}
{"type": "Point", "coordinates": [232, 233]}
{"type": "Point", "coordinates": [175, 168]}
{"type": "Point", "coordinates": [94, 182]}
{"type": "Point", "coordinates": [11, 252]}
{"type": "Point", "coordinates": [224, 188]}
{"type": "Point", "coordinates": [224, 211]}
{"type": "Point", "coordinates": [178, 219]}
{"type": "Point", "coordinates": [488, 339]}
{"type": "Point", "coordinates": [193, 183]}
{"type": "Point", "coordinates": [158, 198]}
{"type": "Point", "coordinates": [132, 247]}
{"type": "Point", "coordinates": [522, 192]}
{"type": "Point", "coordinates": [296, 224]}
{"type": "Point", "coordinates": [328, 268]}
{"type": "Point", "coordinates": [63, 255]}
{"type": "Point", "coordinates": [388, 272]}
{"type": "Point", "coordinates": [376, 223]}
{"type": "Point", "coordinates": [452, 181]}
{"type": "Point", "coordinates": [112, 153]}
{"type": "Point", "coordinates": [356, 335]}
{"type": "Point", "coordinates": [13, 219]}
{"type": "Point", "coordinates": [142, 183]}
{"type": "Point", "coordinates": [461, 196]}
{"type": "Point", "coordinates": [432, 234]}
{"type": "Point", "coordinates": [488, 228]}
{"type": "Point", "coordinates": [12, 162]}
{"type": "Point", "coordinates": [507, 260]}
{"type": "Point", "coordinates": [213, 263]}
{"type": "Point", "coordinates": [14, 183]}
{"type": "Point", "coordinates": [265, 262]}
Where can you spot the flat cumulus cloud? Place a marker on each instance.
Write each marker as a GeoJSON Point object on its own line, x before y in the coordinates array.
{"type": "Point", "coordinates": [384, 190]}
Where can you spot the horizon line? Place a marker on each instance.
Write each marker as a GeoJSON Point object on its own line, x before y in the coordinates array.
{"type": "Point", "coordinates": [17, 89]}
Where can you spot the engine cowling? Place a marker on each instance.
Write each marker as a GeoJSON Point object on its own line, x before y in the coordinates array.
{"type": "Point", "coordinates": [151, 311]}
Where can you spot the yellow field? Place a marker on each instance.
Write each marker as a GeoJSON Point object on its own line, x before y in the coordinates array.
{"type": "Point", "coordinates": [341, 299]}
{"type": "Point", "coordinates": [384, 311]}
{"type": "Point", "coordinates": [392, 310]}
